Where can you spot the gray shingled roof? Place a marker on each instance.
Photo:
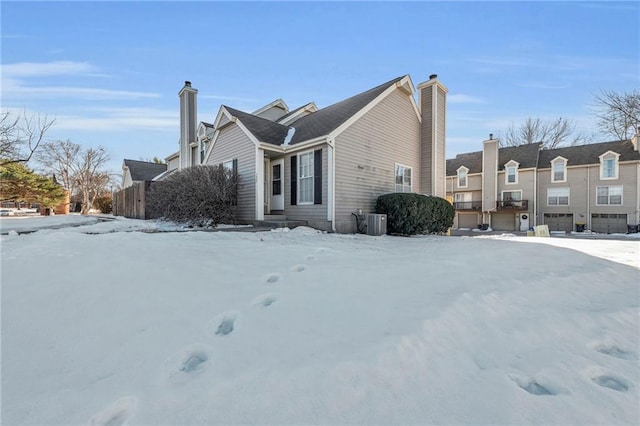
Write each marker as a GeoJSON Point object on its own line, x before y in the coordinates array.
{"type": "Point", "coordinates": [293, 111]}
{"type": "Point", "coordinates": [326, 120]}
{"type": "Point", "coordinates": [531, 155]}
{"type": "Point", "coordinates": [316, 124]}
{"type": "Point", "coordinates": [526, 155]}
{"type": "Point", "coordinates": [264, 130]}
{"type": "Point", "coordinates": [144, 170]}
{"type": "Point", "coordinates": [588, 154]}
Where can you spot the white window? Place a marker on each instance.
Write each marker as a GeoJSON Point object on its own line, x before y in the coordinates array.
{"type": "Point", "coordinates": [609, 195]}
{"type": "Point", "coordinates": [559, 170]}
{"type": "Point", "coordinates": [558, 196]}
{"type": "Point", "coordinates": [511, 173]}
{"type": "Point", "coordinates": [609, 165]}
{"type": "Point", "coordinates": [404, 181]}
{"type": "Point", "coordinates": [305, 178]}
{"type": "Point", "coordinates": [228, 165]}
{"type": "Point", "coordinates": [203, 150]}
{"type": "Point", "coordinates": [462, 177]}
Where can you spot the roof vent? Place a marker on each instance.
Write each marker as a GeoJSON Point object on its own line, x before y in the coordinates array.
{"type": "Point", "coordinates": [433, 76]}
{"type": "Point", "coordinates": [187, 84]}
{"type": "Point", "coordinates": [490, 136]}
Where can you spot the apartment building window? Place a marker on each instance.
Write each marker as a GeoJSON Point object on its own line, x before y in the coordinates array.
{"type": "Point", "coordinates": [559, 170]}
{"type": "Point", "coordinates": [462, 177]}
{"type": "Point", "coordinates": [203, 150]}
{"type": "Point", "coordinates": [305, 178]}
{"type": "Point", "coordinates": [609, 195]}
{"type": "Point", "coordinates": [404, 182]}
{"type": "Point", "coordinates": [511, 172]}
{"type": "Point", "coordinates": [609, 165]}
{"type": "Point", "coordinates": [558, 196]}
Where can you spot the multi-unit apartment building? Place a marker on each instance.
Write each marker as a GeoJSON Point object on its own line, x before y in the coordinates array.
{"type": "Point", "coordinates": [588, 187]}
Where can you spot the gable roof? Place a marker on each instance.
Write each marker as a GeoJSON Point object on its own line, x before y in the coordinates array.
{"type": "Point", "coordinates": [144, 170]}
{"type": "Point", "coordinates": [525, 155]}
{"type": "Point", "coordinates": [470, 160]}
{"type": "Point", "coordinates": [325, 120]}
{"type": "Point", "coordinates": [264, 130]}
{"type": "Point", "coordinates": [316, 124]}
{"type": "Point", "coordinates": [589, 154]}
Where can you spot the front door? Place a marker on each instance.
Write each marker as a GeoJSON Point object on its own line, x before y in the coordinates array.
{"type": "Point", "coordinates": [277, 185]}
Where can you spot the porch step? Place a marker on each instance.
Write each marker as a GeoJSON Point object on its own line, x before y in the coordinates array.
{"type": "Point", "coordinates": [273, 224]}
{"type": "Point", "coordinates": [276, 217]}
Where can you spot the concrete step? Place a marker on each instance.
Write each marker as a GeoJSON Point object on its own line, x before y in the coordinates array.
{"type": "Point", "coordinates": [276, 217]}
{"type": "Point", "coordinates": [273, 224]}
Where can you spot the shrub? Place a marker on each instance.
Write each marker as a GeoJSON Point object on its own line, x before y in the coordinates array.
{"type": "Point", "coordinates": [410, 214]}
{"type": "Point", "coordinates": [198, 196]}
{"type": "Point", "coordinates": [103, 204]}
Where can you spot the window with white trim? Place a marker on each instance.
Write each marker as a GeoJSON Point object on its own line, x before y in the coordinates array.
{"type": "Point", "coordinates": [462, 177]}
{"type": "Point", "coordinates": [559, 170]}
{"type": "Point", "coordinates": [305, 178]}
{"type": "Point", "coordinates": [511, 173]}
{"type": "Point", "coordinates": [404, 182]}
{"type": "Point", "coordinates": [609, 195]}
{"type": "Point", "coordinates": [609, 165]}
{"type": "Point", "coordinates": [558, 196]}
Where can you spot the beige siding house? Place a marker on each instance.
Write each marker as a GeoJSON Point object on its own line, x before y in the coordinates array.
{"type": "Point", "coordinates": [323, 165]}
{"type": "Point", "coordinates": [590, 187]}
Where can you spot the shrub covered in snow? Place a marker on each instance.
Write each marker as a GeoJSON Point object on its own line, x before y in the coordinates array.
{"type": "Point", "coordinates": [410, 214]}
{"type": "Point", "coordinates": [199, 196]}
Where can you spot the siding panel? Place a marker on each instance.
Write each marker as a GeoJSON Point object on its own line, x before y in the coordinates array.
{"type": "Point", "coordinates": [366, 154]}
{"type": "Point", "coordinates": [233, 143]}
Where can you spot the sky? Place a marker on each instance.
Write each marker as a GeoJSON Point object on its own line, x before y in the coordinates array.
{"type": "Point", "coordinates": [110, 72]}
{"type": "Point", "coordinates": [309, 328]}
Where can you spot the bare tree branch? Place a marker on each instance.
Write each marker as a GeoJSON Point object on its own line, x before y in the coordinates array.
{"type": "Point", "coordinates": [20, 136]}
{"type": "Point", "coordinates": [553, 134]}
{"type": "Point", "coordinates": [618, 114]}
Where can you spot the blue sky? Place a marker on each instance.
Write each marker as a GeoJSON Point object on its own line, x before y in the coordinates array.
{"type": "Point", "coordinates": [110, 72]}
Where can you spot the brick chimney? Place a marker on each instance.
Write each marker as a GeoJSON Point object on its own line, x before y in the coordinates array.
{"type": "Point", "coordinates": [188, 124]}
{"type": "Point", "coordinates": [432, 99]}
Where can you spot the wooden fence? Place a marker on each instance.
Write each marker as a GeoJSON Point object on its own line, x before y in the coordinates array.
{"type": "Point", "coordinates": [131, 201]}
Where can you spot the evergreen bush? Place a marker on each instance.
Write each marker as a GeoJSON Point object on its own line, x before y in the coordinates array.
{"type": "Point", "coordinates": [411, 214]}
{"type": "Point", "coordinates": [197, 196]}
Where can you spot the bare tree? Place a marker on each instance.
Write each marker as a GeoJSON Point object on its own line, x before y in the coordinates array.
{"type": "Point", "coordinates": [59, 158]}
{"type": "Point", "coordinates": [553, 133]}
{"type": "Point", "coordinates": [80, 170]}
{"type": "Point", "coordinates": [20, 135]}
{"type": "Point", "coordinates": [618, 114]}
{"type": "Point", "coordinates": [90, 179]}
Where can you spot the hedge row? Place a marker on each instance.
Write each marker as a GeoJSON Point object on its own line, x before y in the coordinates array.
{"type": "Point", "coordinates": [411, 214]}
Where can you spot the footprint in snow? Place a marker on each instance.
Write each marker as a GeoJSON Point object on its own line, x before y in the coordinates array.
{"type": "Point", "coordinates": [534, 386]}
{"type": "Point", "coordinates": [611, 382]}
{"type": "Point", "coordinates": [116, 414]}
{"type": "Point", "coordinates": [297, 268]}
{"type": "Point", "coordinates": [613, 350]}
{"type": "Point", "coordinates": [188, 363]}
{"type": "Point", "coordinates": [264, 300]}
{"type": "Point", "coordinates": [224, 324]}
{"type": "Point", "coordinates": [310, 257]}
{"type": "Point", "coordinates": [272, 278]}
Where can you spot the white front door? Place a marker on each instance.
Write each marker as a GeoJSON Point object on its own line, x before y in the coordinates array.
{"type": "Point", "coordinates": [277, 185]}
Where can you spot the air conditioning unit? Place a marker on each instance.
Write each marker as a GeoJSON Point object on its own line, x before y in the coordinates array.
{"type": "Point", "coordinates": [376, 224]}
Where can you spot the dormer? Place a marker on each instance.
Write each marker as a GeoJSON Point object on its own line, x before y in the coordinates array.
{"type": "Point", "coordinates": [609, 165]}
{"type": "Point", "coordinates": [559, 169]}
{"type": "Point", "coordinates": [463, 180]}
{"type": "Point", "coordinates": [297, 114]}
{"type": "Point", "coordinates": [272, 111]}
{"type": "Point", "coordinates": [511, 172]}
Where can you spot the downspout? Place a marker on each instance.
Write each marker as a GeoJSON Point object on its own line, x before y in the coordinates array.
{"type": "Point", "coordinates": [331, 182]}
{"type": "Point", "coordinates": [638, 194]}
{"type": "Point", "coordinates": [588, 218]}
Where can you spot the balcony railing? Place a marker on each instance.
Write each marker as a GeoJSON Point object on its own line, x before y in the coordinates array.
{"type": "Point", "coordinates": [513, 205]}
{"type": "Point", "coordinates": [467, 205]}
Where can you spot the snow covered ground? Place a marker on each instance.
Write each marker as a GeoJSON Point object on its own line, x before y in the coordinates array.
{"type": "Point", "coordinates": [105, 326]}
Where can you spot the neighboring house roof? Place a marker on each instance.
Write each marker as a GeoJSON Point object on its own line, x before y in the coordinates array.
{"type": "Point", "coordinates": [532, 155]}
{"type": "Point", "coordinates": [470, 160]}
{"type": "Point", "coordinates": [314, 125]}
{"type": "Point", "coordinates": [525, 155]}
{"type": "Point", "coordinates": [144, 170]}
{"type": "Point", "coordinates": [589, 154]}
